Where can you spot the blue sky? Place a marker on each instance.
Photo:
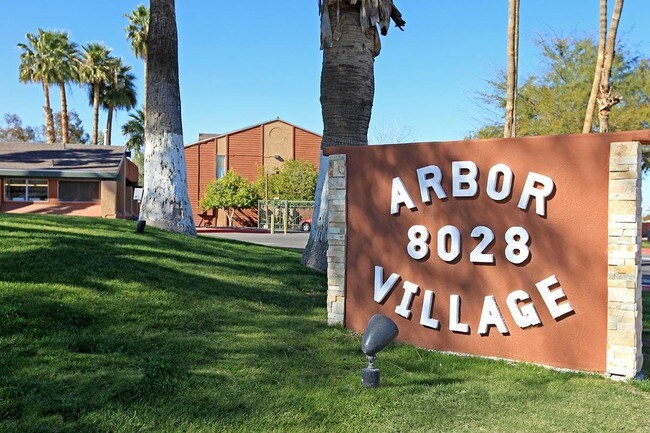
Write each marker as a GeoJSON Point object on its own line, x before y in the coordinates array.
{"type": "Point", "coordinates": [243, 62]}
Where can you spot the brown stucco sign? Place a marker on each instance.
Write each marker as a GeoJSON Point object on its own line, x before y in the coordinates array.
{"type": "Point", "coordinates": [499, 248]}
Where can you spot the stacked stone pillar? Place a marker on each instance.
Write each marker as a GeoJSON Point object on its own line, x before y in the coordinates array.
{"type": "Point", "coordinates": [624, 318]}
{"type": "Point", "coordinates": [336, 237]}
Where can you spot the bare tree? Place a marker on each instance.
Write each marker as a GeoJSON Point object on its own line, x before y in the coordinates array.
{"type": "Point", "coordinates": [601, 91]}
{"type": "Point", "coordinates": [509, 128]}
{"type": "Point", "coordinates": [389, 132]}
{"type": "Point", "coordinates": [165, 202]}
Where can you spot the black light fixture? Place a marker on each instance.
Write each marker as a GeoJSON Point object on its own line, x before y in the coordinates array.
{"type": "Point", "coordinates": [139, 226]}
{"type": "Point", "coordinates": [380, 331]}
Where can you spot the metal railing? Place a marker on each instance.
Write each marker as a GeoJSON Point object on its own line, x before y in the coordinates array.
{"type": "Point", "coordinates": [284, 215]}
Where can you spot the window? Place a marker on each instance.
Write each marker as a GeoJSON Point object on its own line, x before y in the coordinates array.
{"type": "Point", "coordinates": [74, 190]}
{"type": "Point", "coordinates": [26, 190]}
{"type": "Point", "coordinates": [221, 166]}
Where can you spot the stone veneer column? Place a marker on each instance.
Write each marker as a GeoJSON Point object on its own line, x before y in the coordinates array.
{"type": "Point", "coordinates": [624, 318]}
{"type": "Point", "coordinates": [336, 239]}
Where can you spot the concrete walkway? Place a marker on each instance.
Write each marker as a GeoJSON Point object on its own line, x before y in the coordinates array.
{"type": "Point", "coordinates": [292, 240]}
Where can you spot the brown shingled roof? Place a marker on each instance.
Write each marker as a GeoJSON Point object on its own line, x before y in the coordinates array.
{"type": "Point", "coordinates": [59, 157]}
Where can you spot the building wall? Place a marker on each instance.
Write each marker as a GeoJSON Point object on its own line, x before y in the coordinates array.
{"type": "Point", "coordinates": [248, 152]}
{"type": "Point", "coordinates": [108, 193]}
{"type": "Point", "coordinates": [192, 167]}
{"type": "Point", "coordinates": [115, 198]}
{"type": "Point", "coordinates": [54, 206]}
{"type": "Point", "coordinates": [307, 146]}
{"type": "Point", "coordinates": [245, 151]}
{"type": "Point", "coordinates": [278, 140]}
{"type": "Point", "coordinates": [125, 206]}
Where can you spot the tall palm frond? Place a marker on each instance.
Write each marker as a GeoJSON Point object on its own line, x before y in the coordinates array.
{"type": "Point", "coordinates": [119, 93]}
{"type": "Point", "coordinates": [133, 130]}
{"type": "Point", "coordinates": [137, 30]}
{"type": "Point", "coordinates": [38, 65]}
{"type": "Point", "coordinates": [67, 59]}
{"type": "Point", "coordinates": [96, 70]}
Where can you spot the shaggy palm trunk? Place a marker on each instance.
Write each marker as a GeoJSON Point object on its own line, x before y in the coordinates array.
{"type": "Point", "coordinates": [64, 115]}
{"type": "Point", "coordinates": [95, 113]}
{"type": "Point", "coordinates": [347, 92]}
{"type": "Point", "coordinates": [595, 86]}
{"type": "Point", "coordinates": [109, 125]}
{"type": "Point", "coordinates": [50, 135]}
{"type": "Point", "coordinates": [165, 202]}
{"type": "Point", "coordinates": [513, 60]}
{"type": "Point", "coordinates": [606, 98]}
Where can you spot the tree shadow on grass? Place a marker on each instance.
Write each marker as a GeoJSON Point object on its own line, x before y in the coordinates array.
{"type": "Point", "coordinates": [116, 320]}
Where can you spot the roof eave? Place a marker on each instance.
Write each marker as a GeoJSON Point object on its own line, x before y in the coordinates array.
{"type": "Point", "coordinates": [66, 174]}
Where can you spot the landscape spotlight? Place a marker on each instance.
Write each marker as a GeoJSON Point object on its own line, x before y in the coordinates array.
{"type": "Point", "coordinates": [139, 226]}
{"type": "Point", "coordinates": [380, 331]}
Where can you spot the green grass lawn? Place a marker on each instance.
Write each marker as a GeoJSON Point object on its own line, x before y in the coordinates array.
{"type": "Point", "coordinates": [102, 330]}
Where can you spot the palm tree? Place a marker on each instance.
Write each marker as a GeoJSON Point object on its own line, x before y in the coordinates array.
{"type": "Point", "coordinates": [165, 201]}
{"type": "Point", "coordinates": [350, 42]}
{"type": "Point", "coordinates": [601, 90]}
{"type": "Point", "coordinates": [119, 93]}
{"type": "Point", "coordinates": [37, 65]}
{"type": "Point", "coordinates": [96, 70]}
{"type": "Point", "coordinates": [133, 129]}
{"type": "Point", "coordinates": [509, 128]}
{"type": "Point", "coordinates": [66, 70]}
{"type": "Point", "coordinates": [136, 32]}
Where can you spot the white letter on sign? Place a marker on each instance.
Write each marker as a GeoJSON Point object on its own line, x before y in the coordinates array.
{"type": "Point", "coordinates": [455, 325]}
{"type": "Point", "coordinates": [399, 196]}
{"type": "Point", "coordinates": [382, 289]}
{"type": "Point", "coordinates": [491, 316]}
{"type": "Point", "coordinates": [551, 298]}
{"type": "Point", "coordinates": [432, 182]}
{"type": "Point", "coordinates": [526, 315]}
{"type": "Point", "coordinates": [459, 179]}
{"type": "Point", "coordinates": [493, 180]}
{"type": "Point", "coordinates": [530, 190]}
{"type": "Point", "coordinates": [410, 290]}
{"type": "Point", "coordinates": [426, 318]}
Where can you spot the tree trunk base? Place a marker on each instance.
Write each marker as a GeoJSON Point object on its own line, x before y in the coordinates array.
{"type": "Point", "coordinates": [315, 255]}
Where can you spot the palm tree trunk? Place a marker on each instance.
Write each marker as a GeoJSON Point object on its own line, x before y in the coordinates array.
{"type": "Point", "coordinates": [513, 60]}
{"type": "Point", "coordinates": [109, 125]}
{"type": "Point", "coordinates": [165, 202]}
{"type": "Point", "coordinates": [347, 92]}
{"type": "Point", "coordinates": [95, 113]}
{"type": "Point", "coordinates": [347, 80]}
{"type": "Point", "coordinates": [64, 114]}
{"type": "Point", "coordinates": [595, 86]}
{"type": "Point", "coordinates": [144, 104]}
{"type": "Point", "coordinates": [144, 59]}
{"type": "Point", "coordinates": [606, 99]}
{"type": "Point", "coordinates": [50, 135]}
